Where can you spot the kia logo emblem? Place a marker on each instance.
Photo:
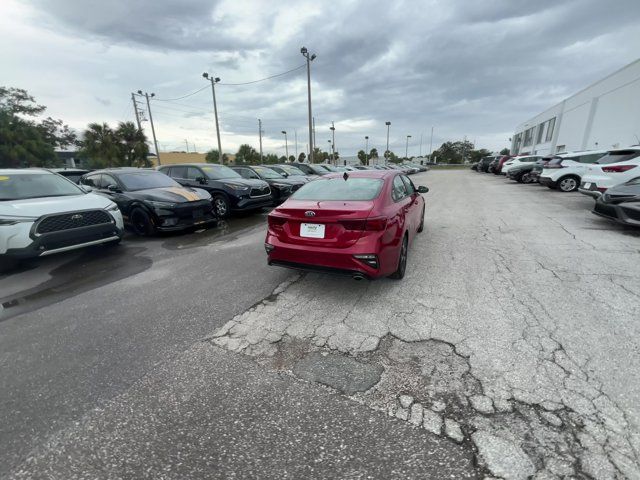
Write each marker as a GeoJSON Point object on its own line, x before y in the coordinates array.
{"type": "Point", "coordinates": [309, 214]}
{"type": "Point", "coordinates": [77, 216]}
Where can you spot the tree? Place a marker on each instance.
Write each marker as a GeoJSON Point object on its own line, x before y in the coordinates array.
{"type": "Point", "coordinates": [271, 158]}
{"type": "Point", "coordinates": [301, 157]}
{"type": "Point", "coordinates": [373, 153]}
{"type": "Point", "coordinates": [214, 157]}
{"type": "Point", "coordinates": [100, 146]}
{"type": "Point", "coordinates": [292, 158]}
{"type": "Point", "coordinates": [362, 156]}
{"type": "Point", "coordinates": [505, 151]}
{"type": "Point", "coordinates": [319, 156]}
{"type": "Point", "coordinates": [23, 141]}
{"type": "Point", "coordinates": [282, 159]}
{"type": "Point", "coordinates": [476, 155]}
{"type": "Point", "coordinates": [247, 154]}
{"type": "Point", "coordinates": [134, 149]}
{"type": "Point", "coordinates": [392, 157]}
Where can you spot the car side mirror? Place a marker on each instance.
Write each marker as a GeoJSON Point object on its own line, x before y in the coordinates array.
{"type": "Point", "coordinates": [201, 180]}
{"type": "Point", "coordinates": [284, 174]}
{"type": "Point", "coordinates": [87, 188]}
{"type": "Point", "coordinates": [422, 189]}
{"type": "Point", "coordinates": [113, 188]}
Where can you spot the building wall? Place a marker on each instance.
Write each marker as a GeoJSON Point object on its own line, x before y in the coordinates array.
{"type": "Point", "coordinates": [168, 158]}
{"type": "Point", "coordinates": [603, 115]}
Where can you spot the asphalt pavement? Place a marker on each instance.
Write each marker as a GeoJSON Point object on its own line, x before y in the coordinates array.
{"type": "Point", "coordinates": [510, 349]}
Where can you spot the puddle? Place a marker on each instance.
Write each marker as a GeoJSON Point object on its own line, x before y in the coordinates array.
{"type": "Point", "coordinates": [95, 267]}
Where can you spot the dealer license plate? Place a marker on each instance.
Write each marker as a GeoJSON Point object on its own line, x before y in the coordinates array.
{"type": "Point", "coordinates": [312, 230]}
{"type": "Point", "coordinates": [587, 185]}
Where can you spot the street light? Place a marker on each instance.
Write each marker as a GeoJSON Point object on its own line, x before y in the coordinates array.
{"type": "Point", "coordinates": [286, 144]}
{"type": "Point", "coordinates": [153, 130]}
{"type": "Point", "coordinates": [366, 149]}
{"type": "Point", "coordinates": [386, 152]}
{"type": "Point", "coordinates": [213, 81]}
{"type": "Point", "coordinates": [333, 142]}
{"type": "Point", "coordinates": [309, 58]}
{"type": "Point", "coordinates": [406, 150]}
{"type": "Point", "coordinates": [331, 149]}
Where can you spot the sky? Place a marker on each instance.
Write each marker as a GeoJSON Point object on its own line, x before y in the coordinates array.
{"type": "Point", "coordinates": [471, 69]}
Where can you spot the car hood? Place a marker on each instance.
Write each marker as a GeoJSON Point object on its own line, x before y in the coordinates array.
{"type": "Point", "coordinates": [249, 182]}
{"type": "Point", "coordinates": [170, 194]}
{"type": "Point", "coordinates": [36, 207]}
{"type": "Point", "coordinates": [286, 181]}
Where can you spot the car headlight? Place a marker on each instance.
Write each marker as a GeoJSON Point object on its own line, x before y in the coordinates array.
{"type": "Point", "coordinates": [162, 204]}
{"type": "Point", "coordinates": [235, 186]}
{"type": "Point", "coordinates": [112, 208]}
{"type": "Point", "coordinates": [281, 185]}
{"type": "Point", "coordinates": [9, 220]}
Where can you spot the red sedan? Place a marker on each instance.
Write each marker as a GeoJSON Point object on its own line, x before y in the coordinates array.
{"type": "Point", "coordinates": [357, 223]}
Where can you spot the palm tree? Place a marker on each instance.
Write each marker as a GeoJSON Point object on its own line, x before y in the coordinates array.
{"type": "Point", "coordinates": [133, 145]}
{"type": "Point", "coordinates": [100, 146]}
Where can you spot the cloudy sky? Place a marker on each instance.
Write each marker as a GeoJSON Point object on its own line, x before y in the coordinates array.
{"type": "Point", "coordinates": [474, 68]}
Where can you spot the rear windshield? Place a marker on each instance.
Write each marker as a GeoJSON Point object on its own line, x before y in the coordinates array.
{"type": "Point", "coordinates": [35, 185]}
{"type": "Point", "coordinates": [218, 172]}
{"type": "Point", "coordinates": [352, 189]}
{"type": "Point", "coordinates": [620, 156]}
{"type": "Point", "coordinates": [141, 181]}
{"type": "Point", "coordinates": [267, 173]}
{"type": "Point", "coordinates": [291, 170]}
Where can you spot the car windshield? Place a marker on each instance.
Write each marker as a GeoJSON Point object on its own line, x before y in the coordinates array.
{"type": "Point", "coordinates": [619, 156]}
{"type": "Point", "coordinates": [318, 169]}
{"type": "Point", "coordinates": [292, 170]}
{"type": "Point", "coordinates": [19, 186]}
{"type": "Point", "coordinates": [352, 189]}
{"type": "Point", "coordinates": [140, 181]}
{"type": "Point", "coordinates": [218, 172]}
{"type": "Point", "coordinates": [267, 173]}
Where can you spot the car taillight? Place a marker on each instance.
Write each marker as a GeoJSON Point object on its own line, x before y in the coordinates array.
{"type": "Point", "coordinates": [601, 189]}
{"type": "Point", "coordinates": [618, 168]}
{"type": "Point", "coordinates": [373, 224]}
{"type": "Point", "coordinates": [276, 222]}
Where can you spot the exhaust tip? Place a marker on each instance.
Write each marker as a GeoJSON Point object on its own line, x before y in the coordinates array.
{"type": "Point", "coordinates": [358, 277]}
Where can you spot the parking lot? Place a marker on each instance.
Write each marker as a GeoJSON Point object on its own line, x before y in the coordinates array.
{"type": "Point", "coordinates": [509, 349]}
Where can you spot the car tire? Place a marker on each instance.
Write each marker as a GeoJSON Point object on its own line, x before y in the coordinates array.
{"type": "Point", "coordinates": [141, 223]}
{"type": "Point", "coordinates": [221, 206]}
{"type": "Point", "coordinates": [421, 227]}
{"type": "Point", "coordinates": [402, 260]}
{"type": "Point", "coordinates": [568, 184]}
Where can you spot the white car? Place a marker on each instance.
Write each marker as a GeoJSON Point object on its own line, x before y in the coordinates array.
{"type": "Point", "coordinates": [616, 167]}
{"type": "Point", "coordinates": [518, 161]}
{"type": "Point", "coordinates": [565, 171]}
{"type": "Point", "coordinates": [42, 213]}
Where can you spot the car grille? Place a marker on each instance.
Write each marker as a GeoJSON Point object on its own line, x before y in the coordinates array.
{"type": "Point", "coordinates": [71, 220]}
{"type": "Point", "coordinates": [260, 192]}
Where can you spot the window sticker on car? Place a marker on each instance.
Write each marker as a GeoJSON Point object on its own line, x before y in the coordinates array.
{"type": "Point", "coordinates": [4, 178]}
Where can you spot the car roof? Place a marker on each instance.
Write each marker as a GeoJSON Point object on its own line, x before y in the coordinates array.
{"type": "Point", "coordinates": [580, 152]}
{"type": "Point", "coordinates": [124, 170]}
{"type": "Point", "coordinates": [364, 174]}
{"type": "Point", "coordinates": [197, 164]}
{"type": "Point", "coordinates": [13, 171]}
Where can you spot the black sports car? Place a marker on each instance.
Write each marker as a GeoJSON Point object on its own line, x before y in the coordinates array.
{"type": "Point", "coordinates": [621, 203]}
{"type": "Point", "coordinates": [150, 201]}
{"type": "Point", "coordinates": [281, 187]}
{"type": "Point", "coordinates": [230, 192]}
{"type": "Point", "coordinates": [528, 173]}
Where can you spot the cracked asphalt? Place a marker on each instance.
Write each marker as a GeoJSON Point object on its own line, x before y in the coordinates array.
{"type": "Point", "coordinates": [510, 350]}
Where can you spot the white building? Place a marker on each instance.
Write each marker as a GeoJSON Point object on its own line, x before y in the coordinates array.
{"type": "Point", "coordinates": [602, 116]}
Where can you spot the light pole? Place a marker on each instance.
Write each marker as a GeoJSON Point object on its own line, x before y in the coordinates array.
{"type": "Point", "coordinates": [333, 142]}
{"type": "Point", "coordinates": [331, 147]}
{"type": "Point", "coordinates": [386, 152]}
{"type": "Point", "coordinates": [310, 58]}
{"type": "Point", "coordinates": [213, 81]}
{"type": "Point", "coordinates": [286, 145]}
{"type": "Point", "coordinates": [153, 130]}
{"type": "Point", "coordinates": [406, 148]}
{"type": "Point", "coordinates": [431, 144]}
{"type": "Point", "coordinates": [366, 149]}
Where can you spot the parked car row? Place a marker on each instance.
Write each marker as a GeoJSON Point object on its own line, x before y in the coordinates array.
{"type": "Point", "coordinates": [611, 177]}
{"type": "Point", "coordinates": [46, 211]}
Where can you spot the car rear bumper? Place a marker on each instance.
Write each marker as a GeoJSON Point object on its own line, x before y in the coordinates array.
{"type": "Point", "coordinates": [335, 261]}
{"type": "Point", "coordinates": [627, 213]}
{"type": "Point", "coordinates": [547, 182]}
{"type": "Point", "coordinates": [62, 241]}
{"type": "Point", "coordinates": [591, 190]}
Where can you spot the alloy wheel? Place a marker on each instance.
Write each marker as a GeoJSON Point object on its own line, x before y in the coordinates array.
{"type": "Point", "coordinates": [568, 184]}
{"type": "Point", "coordinates": [221, 206]}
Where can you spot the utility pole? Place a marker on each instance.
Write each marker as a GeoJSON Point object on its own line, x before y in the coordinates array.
{"type": "Point", "coordinates": [215, 111]}
{"type": "Point", "coordinates": [431, 144]}
{"type": "Point", "coordinates": [406, 149]}
{"type": "Point", "coordinates": [314, 130]}
{"type": "Point", "coordinates": [135, 109]}
{"type": "Point", "coordinates": [295, 132]}
{"type": "Point", "coordinates": [260, 136]}
{"type": "Point", "coordinates": [153, 130]}
{"type": "Point", "coordinates": [366, 149]}
{"type": "Point", "coordinates": [420, 154]}
{"type": "Point", "coordinates": [187, 144]}
{"type": "Point", "coordinates": [386, 152]}
{"type": "Point", "coordinates": [309, 58]}
{"type": "Point", "coordinates": [333, 143]}
{"type": "Point", "coordinates": [331, 157]}
{"type": "Point", "coordinates": [286, 145]}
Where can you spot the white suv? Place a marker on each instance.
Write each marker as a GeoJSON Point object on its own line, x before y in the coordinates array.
{"type": "Point", "coordinates": [616, 167]}
{"type": "Point", "coordinates": [519, 161]}
{"type": "Point", "coordinates": [565, 171]}
{"type": "Point", "coordinates": [42, 213]}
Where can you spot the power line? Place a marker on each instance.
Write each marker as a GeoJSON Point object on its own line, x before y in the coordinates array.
{"type": "Point", "coordinates": [180, 98]}
{"type": "Point", "coordinates": [266, 78]}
